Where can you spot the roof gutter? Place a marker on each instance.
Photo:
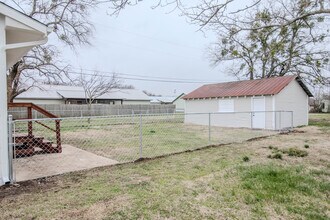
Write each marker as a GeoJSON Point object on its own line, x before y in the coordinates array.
{"type": "Point", "coordinates": [26, 44]}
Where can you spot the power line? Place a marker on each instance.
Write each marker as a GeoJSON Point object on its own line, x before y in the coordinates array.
{"type": "Point", "coordinates": [143, 76]}
{"type": "Point", "coordinates": [141, 79]}
{"type": "Point", "coordinates": [147, 37]}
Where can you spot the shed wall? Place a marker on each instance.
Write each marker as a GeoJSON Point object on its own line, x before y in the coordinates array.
{"type": "Point", "coordinates": [292, 98]}
{"type": "Point", "coordinates": [180, 105]}
{"type": "Point", "coordinates": [241, 117]}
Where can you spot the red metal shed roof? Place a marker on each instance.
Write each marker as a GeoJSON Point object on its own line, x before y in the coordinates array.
{"type": "Point", "coordinates": [269, 86]}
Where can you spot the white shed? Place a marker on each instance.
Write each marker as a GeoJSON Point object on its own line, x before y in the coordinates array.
{"type": "Point", "coordinates": [271, 103]}
{"type": "Point", "coordinates": [18, 34]}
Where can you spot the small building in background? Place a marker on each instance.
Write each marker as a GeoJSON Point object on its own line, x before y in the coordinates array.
{"type": "Point", "coordinates": [58, 94]}
{"type": "Point", "coordinates": [271, 103]}
{"type": "Point", "coordinates": [325, 106]}
{"type": "Point", "coordinates": [178, 101]}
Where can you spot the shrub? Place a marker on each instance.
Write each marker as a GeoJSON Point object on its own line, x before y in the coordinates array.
{"type": "Point", "coordinates": [272, 148]}
{"type": "Point", "coordinates": [306, 146]}
{"type": "Point", "coordinates": [295, 152]}
{"type": "Point", "coordinates": [277, 155]}
{"type": "Point", "coordinates": [246, 159]}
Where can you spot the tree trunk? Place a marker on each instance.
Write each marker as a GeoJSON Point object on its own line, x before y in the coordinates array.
{"type": "Point", "coordinates": [13, 82]}
{"type": "Point", "coordinates": [251, 76]}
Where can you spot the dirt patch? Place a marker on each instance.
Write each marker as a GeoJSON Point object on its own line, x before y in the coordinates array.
{"type": "Point", "coordinates": [27, 187]}
{"type": "Point", "coordinates": [99, 210]}
{"type": "Point", "coordinates": [298, 131]}
{"type": "Point", "coordinates": [104, 208]}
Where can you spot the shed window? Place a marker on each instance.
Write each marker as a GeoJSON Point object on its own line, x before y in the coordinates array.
{"type": "Point", "coordinates": [226, 105]}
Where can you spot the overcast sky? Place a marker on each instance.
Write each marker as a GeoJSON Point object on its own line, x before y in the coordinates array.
{"type": "Point", "coordinates": [152, 43]}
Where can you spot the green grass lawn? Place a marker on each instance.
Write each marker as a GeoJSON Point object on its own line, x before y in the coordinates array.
{"type": "Point", "coordinates": [319, 119]}
{"type": "Point", "coordinates": [120, 138]}
{"type": "Point", "coordinates": [236, 181]}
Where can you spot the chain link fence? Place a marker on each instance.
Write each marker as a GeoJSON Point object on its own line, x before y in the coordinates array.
{"type": "Point", "coordinates": [46, 147]}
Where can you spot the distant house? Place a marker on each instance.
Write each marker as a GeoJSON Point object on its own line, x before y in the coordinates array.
{"type": "Point", "coordinates": [178, 101]}
{"type": "Point", "coordinates": [55, 94]}
{"type": "Point", "coordinates": [325, 105]}
{"type": "Point", "coordinates": [251, 103]}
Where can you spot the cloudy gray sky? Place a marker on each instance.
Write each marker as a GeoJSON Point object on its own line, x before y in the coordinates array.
{"type": "Point", "coordinates": [155, 44]}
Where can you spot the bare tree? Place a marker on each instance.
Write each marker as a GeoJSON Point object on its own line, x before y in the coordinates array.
{"type": "Point", "coordinates": [125, 87]}
{"type": "Point", "coordinates": [262, 53]}
{"type": "Point", "coordinates": [95, 85]}
{"type": "Point", "coordinates": [268, 38]}
{"type": "Point", "coordinates": [263, 38]}
{"type": "Point", "coordinates": [70, 22]}
{"type": "Point", "coordinates": [149, 93]}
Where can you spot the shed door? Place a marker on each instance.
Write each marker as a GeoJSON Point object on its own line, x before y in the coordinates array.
{"type": "Point", "coordinates": [258, 112]}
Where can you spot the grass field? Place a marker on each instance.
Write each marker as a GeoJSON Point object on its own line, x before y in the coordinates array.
{"type": "Point", "coordinates": [237, 181]}
{"type": "Point", "coordinates": [120, 138]}
{"type": "Point", "coordinates": [320, 120]}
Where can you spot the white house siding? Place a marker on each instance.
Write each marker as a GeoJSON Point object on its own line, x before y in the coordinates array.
{"type": "Point", "coordinates": [270, 114]}
{"type": "Point", "coordinates": [179, 105]}
{"type": "Point", "coordinates": [242, 104]}
{"type": "Point", "coordinates": [200, 106]}
{"type": "Point", "coordinates": [41, 101]}
{"type": "Point", "coordinates": [241, 116]}
{"type": "Point", "coordinates": [292, 98]}
{"type": "Point", "coordinates": [325, 106]}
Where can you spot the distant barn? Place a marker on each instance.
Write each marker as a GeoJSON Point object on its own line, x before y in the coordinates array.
{"type": "Point", "coordinates": [271, 103]}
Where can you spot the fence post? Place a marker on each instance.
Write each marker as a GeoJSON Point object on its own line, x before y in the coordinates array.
{"type": "Point", "coordinates": [275, 119]}
{"type": "Point", "coordinates": [141, 140]}
{"type": "Point", "coordinates": [280, 121]}
{"type": "Point", "coordinates": [11, 145]}
{"type": "Point", "coordinates": [291, 120]}
{"type": "Point", "coordinates": [58, 136]}
{"type": "Point", "coordinates": [209, 128]}
{"type": "Point", "coordinates": [30, 126]}
{"type": "Point", "coordinates": [251, 120]}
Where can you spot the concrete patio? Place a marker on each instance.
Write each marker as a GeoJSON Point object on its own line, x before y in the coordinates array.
{"type": "Point", "coordinates": [71, 159]}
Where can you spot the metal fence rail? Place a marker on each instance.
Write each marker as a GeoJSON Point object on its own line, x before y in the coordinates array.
{"type": "Point", "coordinates": [88, 142]}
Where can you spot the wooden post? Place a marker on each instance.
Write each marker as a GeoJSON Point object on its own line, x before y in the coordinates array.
{"type": "Point", "coordinates": [58, 136]}
{"type": "Point", "coordinates": [30, 127]}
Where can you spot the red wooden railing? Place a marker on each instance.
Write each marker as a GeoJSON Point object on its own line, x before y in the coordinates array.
{"type": "Point", "coordinates": [30, 107]}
